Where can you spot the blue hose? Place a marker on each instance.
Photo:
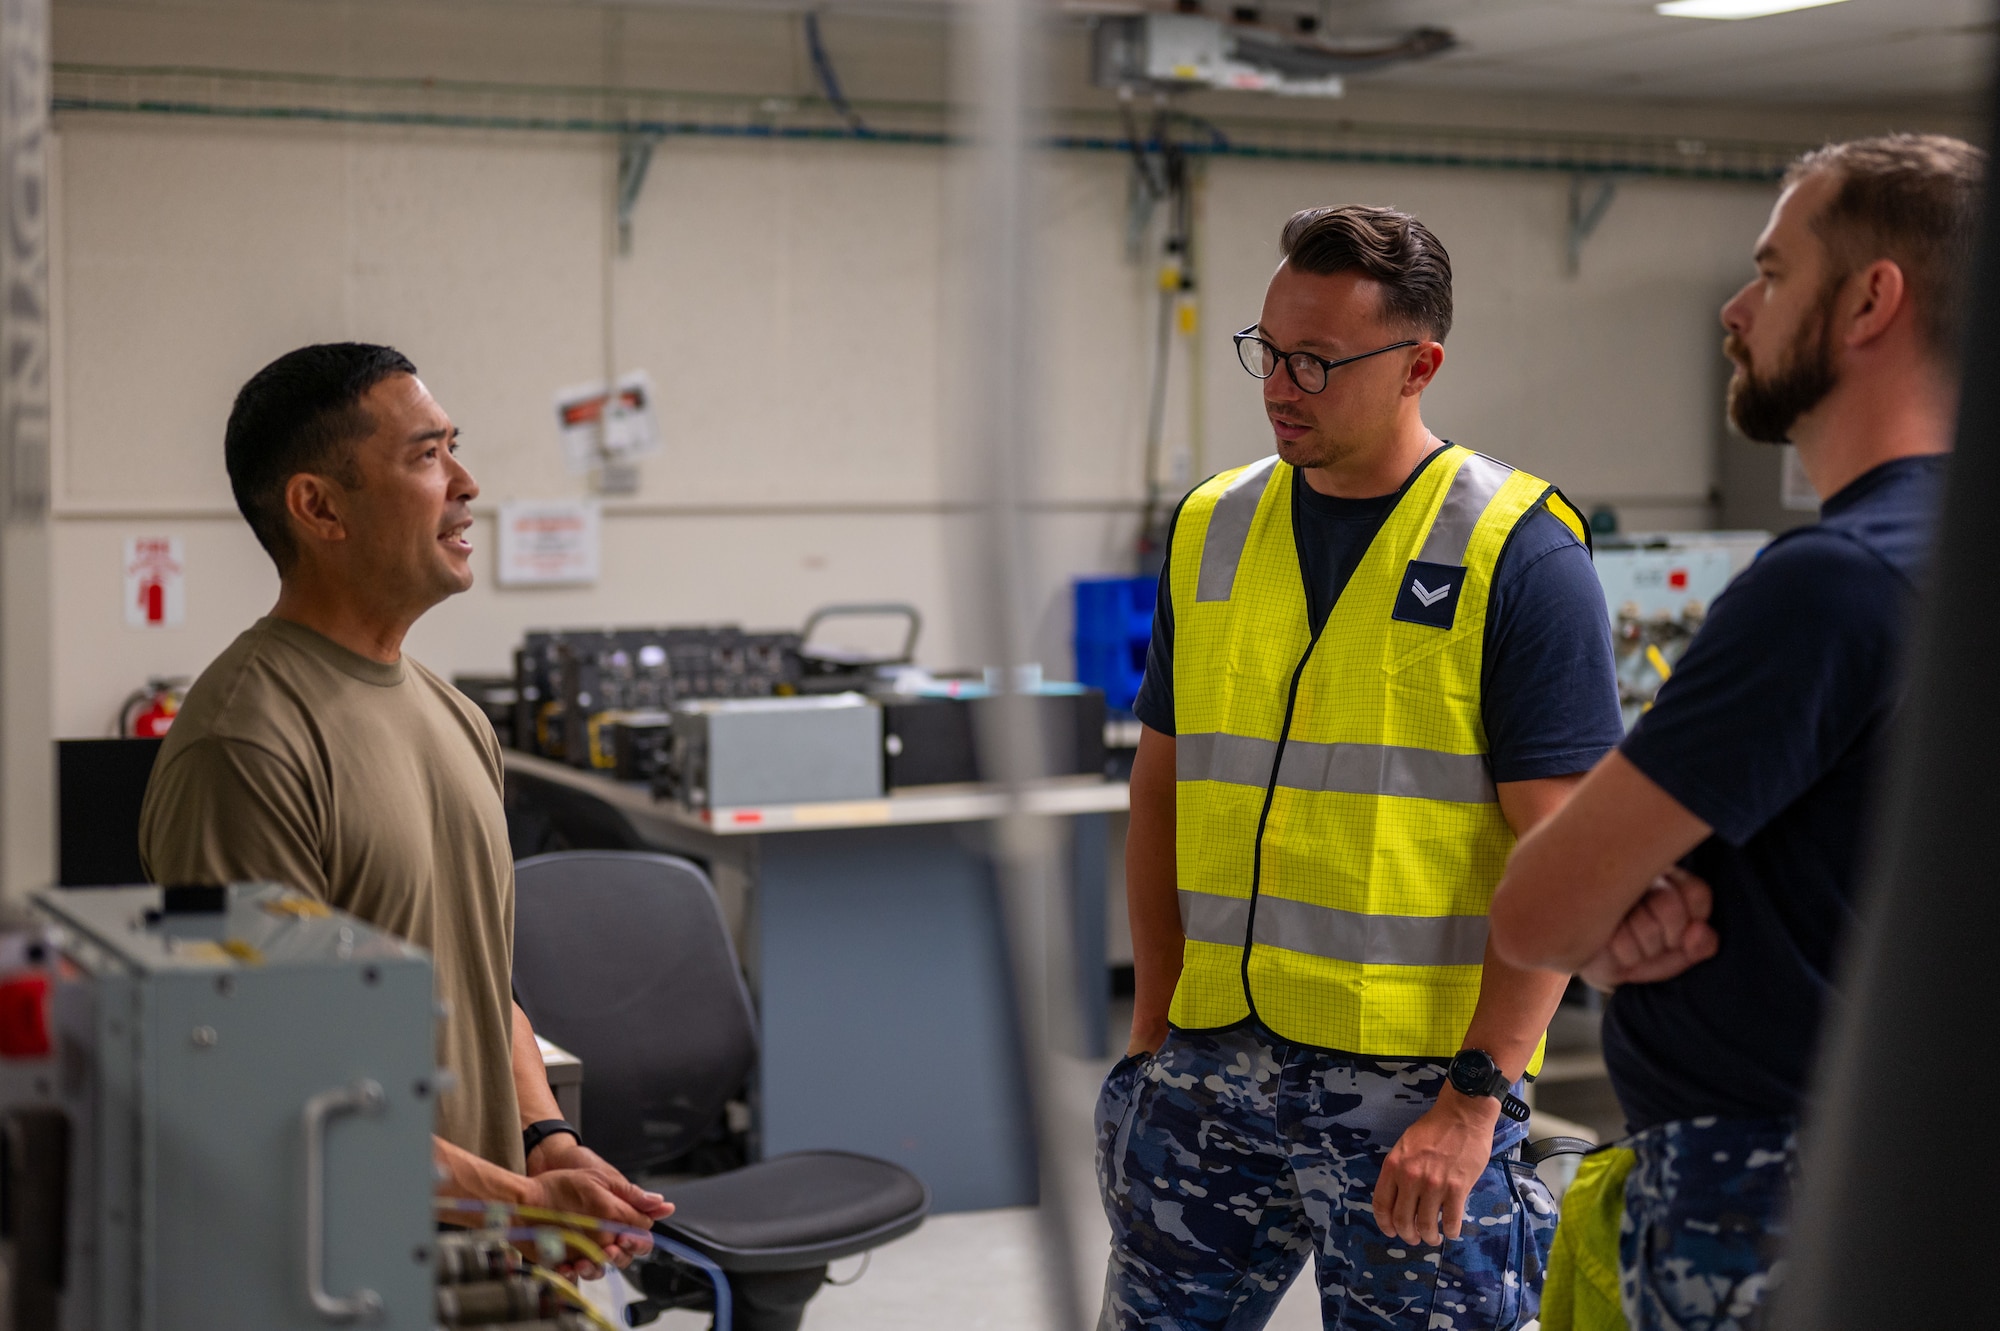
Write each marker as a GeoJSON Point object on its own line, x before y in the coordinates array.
{"type": "Point", "coordinates": [829, 82]}
{"type": "Point", "coordinates": [723, 1312]}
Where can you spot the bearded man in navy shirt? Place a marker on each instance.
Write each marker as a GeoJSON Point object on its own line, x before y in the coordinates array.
{"type": "Point", "coordinates": [1707, 870]}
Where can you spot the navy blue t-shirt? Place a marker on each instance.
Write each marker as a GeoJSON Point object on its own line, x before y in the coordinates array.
{"type": "Point", "coordinates": [1773, 731]}
{"type": "Point", "coordinates": [1549, 692]}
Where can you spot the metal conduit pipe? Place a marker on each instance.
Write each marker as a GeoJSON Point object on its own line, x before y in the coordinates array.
{"type": "Point", "coordinates": [567, 109]}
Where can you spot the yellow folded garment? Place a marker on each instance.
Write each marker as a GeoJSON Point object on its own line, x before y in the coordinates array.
{"type": "Point", "coordinates": [1581, 1292]}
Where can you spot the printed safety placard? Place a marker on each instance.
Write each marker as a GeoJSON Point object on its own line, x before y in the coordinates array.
{"type": "Point", "coordinates": [593, 428]}
{"type": "Point", "coordinates": [548, 542]}
{"type": "Point", "coordinates": [155, 582]}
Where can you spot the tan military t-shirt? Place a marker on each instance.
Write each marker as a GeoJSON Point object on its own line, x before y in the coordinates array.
{"type": "Point", "coordinates": [376, 788]}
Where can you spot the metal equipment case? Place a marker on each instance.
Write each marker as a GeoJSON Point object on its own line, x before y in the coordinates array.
{"type": "Point", "coordinates": [249, 1082]}
{"type": "Point", "coordinates": [729, 753]}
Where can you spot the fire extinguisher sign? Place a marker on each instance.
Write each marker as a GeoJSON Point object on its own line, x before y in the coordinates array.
{"type": "Point", "coordinates": [155, 582]}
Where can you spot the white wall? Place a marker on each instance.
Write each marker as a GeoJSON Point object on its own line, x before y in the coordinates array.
{"type": "Point", "coordinates": [792, 302]}
{"type": "Point", "coordinates": [1603, 382]}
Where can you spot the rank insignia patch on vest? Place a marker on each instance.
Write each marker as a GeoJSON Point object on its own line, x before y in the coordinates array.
{"type": "Point", "coordinates": [1429, 594]}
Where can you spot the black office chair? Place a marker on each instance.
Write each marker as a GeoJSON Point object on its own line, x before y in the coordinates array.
{"type": "Point", "coordinates": [622, 958]}
{"type": "Point", "coordinates": [545, 816]}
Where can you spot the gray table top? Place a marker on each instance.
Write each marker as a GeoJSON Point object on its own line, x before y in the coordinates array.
{"type": "Point", "coordinates": [920, 804]}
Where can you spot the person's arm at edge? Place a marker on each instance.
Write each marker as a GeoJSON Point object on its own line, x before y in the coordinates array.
{"type": "Point", "coordinates": [1573, 879]}
{"type": "Point", "coordinates": [1420, 1194]}
{"type": "Point", "coordinates": [1152, 891]}
{"type": "Point", "coordinates": [562, 1153]}
{"type": "Point", "coordinates": [579, 1182]}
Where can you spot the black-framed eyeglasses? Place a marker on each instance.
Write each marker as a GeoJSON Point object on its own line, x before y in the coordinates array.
{"type": "Point", "coordinates": [1307, 370]}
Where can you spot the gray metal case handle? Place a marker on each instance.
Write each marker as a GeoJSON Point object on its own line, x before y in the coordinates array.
{"type": "Point", "coordinates": [362, 1097]}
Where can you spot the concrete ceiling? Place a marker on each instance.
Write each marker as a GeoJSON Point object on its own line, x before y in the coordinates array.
{"type": "Point", "coordinates": [1851, 52]}
{"type": "Point", "coordinates": [1857, 51]}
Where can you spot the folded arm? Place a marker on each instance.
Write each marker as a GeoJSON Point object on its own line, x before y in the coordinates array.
{"type": "Point", "coordinates": [1576, 877]}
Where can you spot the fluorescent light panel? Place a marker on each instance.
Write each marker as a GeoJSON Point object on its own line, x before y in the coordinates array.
{"type": "Point", "coordinates": [1735, 9]}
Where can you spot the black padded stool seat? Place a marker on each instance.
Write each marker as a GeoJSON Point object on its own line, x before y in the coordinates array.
{"type": "Point", "coordinates": [623, 958]}
{"type": "Point", "coordinates": [803, 1209]}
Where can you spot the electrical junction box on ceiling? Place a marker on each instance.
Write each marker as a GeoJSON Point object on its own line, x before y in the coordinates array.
{"type": "Point", "coordinates": [1188, 52]}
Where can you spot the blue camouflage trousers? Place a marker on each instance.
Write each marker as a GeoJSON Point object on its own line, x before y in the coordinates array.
{"type": "Point", "coordinates": [1704, 1220]}
{"type": "Point", "coordinates": [1228, 1157]}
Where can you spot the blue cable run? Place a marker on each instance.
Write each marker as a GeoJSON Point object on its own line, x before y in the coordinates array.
{"type": "Point", "coordinates": [829, 82]}
{"type": "Point", "coordinates": [723, 1312]}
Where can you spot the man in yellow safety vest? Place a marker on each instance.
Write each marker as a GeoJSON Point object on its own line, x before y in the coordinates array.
{"type": "Point", "coordinates": [1377, 659]}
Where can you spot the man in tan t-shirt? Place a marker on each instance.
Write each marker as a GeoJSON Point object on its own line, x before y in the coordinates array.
{"type": "Point", "coordinates": [314, 753]}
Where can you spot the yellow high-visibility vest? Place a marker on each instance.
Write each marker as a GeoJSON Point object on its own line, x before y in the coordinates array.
{"type": "Point", "coordinates": [1338, 833]}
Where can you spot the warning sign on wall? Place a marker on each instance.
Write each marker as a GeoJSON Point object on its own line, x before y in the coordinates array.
{"type": "Point", "coordinates": [155, 582]}
{"type": "Point", "coordinates": [548, 542]}
{"type": "Point", "coordinates": [595, 426]}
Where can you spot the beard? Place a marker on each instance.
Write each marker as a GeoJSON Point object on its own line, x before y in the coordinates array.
{"type": "Point", "coordinates": [1765, 408]}
{"type": "Point", "coordinates": [1315, 450]}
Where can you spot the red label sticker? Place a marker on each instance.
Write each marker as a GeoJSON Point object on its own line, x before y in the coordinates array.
{"type": "Point", "coordinates": [747, 816]}
{"type": "Point", "coordinates": [1678, 579]}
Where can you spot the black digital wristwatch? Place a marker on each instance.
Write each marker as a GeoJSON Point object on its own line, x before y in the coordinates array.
{"type": "Point", "coordinates": [1474, 1073]}
{"type": "Point", "coordinates": [537, 1133]}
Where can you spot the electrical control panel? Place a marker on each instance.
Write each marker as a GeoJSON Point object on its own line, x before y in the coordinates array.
{"type": "Point", "coordinates": [574, 687]}
{"type": "Point", "coordinates": [1657, 589]}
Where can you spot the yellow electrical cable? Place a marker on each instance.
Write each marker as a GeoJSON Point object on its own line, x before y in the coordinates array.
{"type": "Point", "coordinates": [584, 1245]}
{"type": "Point", "coordinates": [571, 1227]}
{"type": "Point", "coordinates": [573, 1294]}
{"type": "Point", "coordinates": [587, 1224]}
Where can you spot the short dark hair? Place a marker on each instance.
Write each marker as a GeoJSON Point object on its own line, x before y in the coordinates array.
{"type": "Point", "coordinates": [1392, 247]}
{"type": "Point", "coordinates": [1910, 198]}
{"type": "Point", "coordinates": [302, 412]}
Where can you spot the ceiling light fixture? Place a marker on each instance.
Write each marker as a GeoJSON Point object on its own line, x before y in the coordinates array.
{"type": "Point", "coordinates": [1735, 9]}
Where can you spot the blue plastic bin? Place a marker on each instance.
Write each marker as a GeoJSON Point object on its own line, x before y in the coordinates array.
{"type": "Point", "coordinates": [1114, 625]}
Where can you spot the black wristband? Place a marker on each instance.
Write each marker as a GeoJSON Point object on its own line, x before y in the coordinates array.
{"type": "Point", "coordinates": [537, 1133]}
{"type": "Point", "coordinates": [1474, 1073]}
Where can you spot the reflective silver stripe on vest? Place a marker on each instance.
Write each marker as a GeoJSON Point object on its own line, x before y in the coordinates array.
{"type": "Point", "coordinates": [1385, 769]}
{"type": "Point", "coordinates": [1234, 760]}
{"type": "Point", "coordinates": [1377, 940]}
{"type": "Point", "coordinates": [1479, 479]}
{"type": "Point", "coordinates": [1229, 530]}
{"type": "Point", "coordinates": [1340, 935]}
{"type": "Point", "coordinates": [1355, 769]}
{"type": "Point", "coordinates": [1207, 918]}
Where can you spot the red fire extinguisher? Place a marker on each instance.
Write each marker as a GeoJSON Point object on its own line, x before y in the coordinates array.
{"type": "Point", "coordinates": [148, 713]}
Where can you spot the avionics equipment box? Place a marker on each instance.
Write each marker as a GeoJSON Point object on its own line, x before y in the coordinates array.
{"type": "Point", "coordinates": [226, 1098]}
{"type": "Point", "coordinates": [743, 752]}
{"type": "Point", "coordinates": [929, 740]}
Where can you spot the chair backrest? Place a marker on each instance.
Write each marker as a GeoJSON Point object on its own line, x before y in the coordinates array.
{"type": "Point", "coordinates": [622, 958]}
{"type": "Point", "coordinates": [564, 818]}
